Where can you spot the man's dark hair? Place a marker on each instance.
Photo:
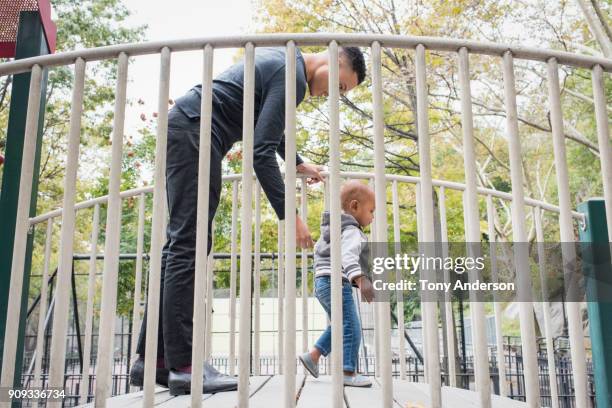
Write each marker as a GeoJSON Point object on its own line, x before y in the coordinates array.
{"type": "Point", "coordinates": [354, 56]}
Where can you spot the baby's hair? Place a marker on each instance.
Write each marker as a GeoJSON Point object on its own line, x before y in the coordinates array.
{"type": "Point", "coordinates": [354, 190]}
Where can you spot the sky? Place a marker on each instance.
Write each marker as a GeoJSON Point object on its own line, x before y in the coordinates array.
{"type": "Point", "coordinates": [180, 19]}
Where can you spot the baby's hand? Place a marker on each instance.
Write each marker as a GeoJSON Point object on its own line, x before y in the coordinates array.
{"type": "Point", "coordinates": [366, 288]}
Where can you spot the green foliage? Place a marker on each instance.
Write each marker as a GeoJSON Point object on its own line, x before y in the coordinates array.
{"type": "Point", "coordinates": [88, 23]}
{"type": "Point", "coordinates": [543, 24]}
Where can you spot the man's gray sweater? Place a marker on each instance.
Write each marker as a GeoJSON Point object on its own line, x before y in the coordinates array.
{"type": "Point", "coordinates": [354, 249]}
{"type": "Point", "coordinates": [269, 138]}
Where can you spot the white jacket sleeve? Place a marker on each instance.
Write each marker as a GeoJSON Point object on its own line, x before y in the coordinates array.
{"type": "Point", "coordinates": [351, 249]}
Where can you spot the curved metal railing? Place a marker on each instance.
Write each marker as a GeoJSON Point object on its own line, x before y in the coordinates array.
{"type": "Point", "coordinates": [395, 182]}
{"type": "Point", "coordinates": [460, 48]}
{"type": "Point", "coordinates": [306, 39]}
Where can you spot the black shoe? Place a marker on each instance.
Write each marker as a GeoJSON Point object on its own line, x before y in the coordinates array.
{"type": "Point", "coordinates": [137, 375]}
{"type": "Point", "coordinates": [180, 383]}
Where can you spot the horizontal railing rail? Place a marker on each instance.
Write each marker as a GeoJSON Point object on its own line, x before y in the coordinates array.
{"type": "Point", "coordinates": [307, 39]}
{"type": "Point", "coordinates": [452, 185]}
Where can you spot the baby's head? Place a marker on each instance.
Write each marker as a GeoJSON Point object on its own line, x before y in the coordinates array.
{"type": "Point", "coordinates": [357, 199]}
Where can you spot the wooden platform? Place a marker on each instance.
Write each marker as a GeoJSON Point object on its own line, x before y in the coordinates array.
{"type": "Point", "coordinates": [266, 392]}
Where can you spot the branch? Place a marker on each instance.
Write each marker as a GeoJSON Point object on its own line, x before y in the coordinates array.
{"type": "Point", "coordinates": [602, 19]}
{"type": "Point", "coordinates": [5, 87]}
{"type": "Point", "coordinates": [596, 27]}
{"type": "Point", "coordinates": [399, 132]}
{"type": "Point", "coordinates": [573, 135]}
{"type": "Point", "coordinates": [582, 97]}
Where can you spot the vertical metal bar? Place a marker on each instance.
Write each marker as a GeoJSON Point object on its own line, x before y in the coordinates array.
{"type": "Point", "coordinates": [419, 222]}
{"type": "Point", "coordinates": [280, 283]}
{"type": "Point", "coordinates": [22, 224]}
{"type": "Point", "coordinates": [246, 238]}
{"type": "Point", "coordinates": [335, 250]}
{"type": "Point", "coordinates": [603, 139]}
{"type": "Point", "coordinates": [137, 308]}
{"type": "Point", "coordinates": [42, 309]}
{"type": "Point", "coordinates": [430, 307]}
{"type": "Point", "coordinates": [233, 278]}
{"type": "Point", "coordinates": [473, 230]}
{"type": "Point", "coordinates": [326, 194]}
{"type": "Point", "coordinates": [550, 344]}
{"type": "Point", "coordinates": [528, 338]}
{"type": "Point", "coordinates": [378, 333]}
{"type": "Point", "coordinates": [290, 225]}
{"type": "Point", "coordinates": [111, 245]}
{"type": "Point", "coordinates": [304, 215]}
{"type": "Point", "coordinates": [91, 292]}
{"type": "Point", "coordinates": [471, 309]}
{"type": "Point", "coordinates": [380, 190]}
{"type": "Point", "coordinates": [499, 340]}
{"type": "Point", "coordinates": [574, 318]}
{"type": "Point", "coordinates": [209, 297]}
{"type": "Point", "coordinates": [157, 229]}
{"type": "Point", "coordinates": [201, 260]}
{"type": "Point", "coordinates": [400, 295]}
{"type": "Point", "coordinates": [62, 292]}
{"type": "Point", "coordinates": [419, 211]}
{"type": "Point", "coordinates": [376, 312]}
{"type": "Point", "coordinates": [257, 282]}
{"type": "Point", "coordinates": [448, 302]}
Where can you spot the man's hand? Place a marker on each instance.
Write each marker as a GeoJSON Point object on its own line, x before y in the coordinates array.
{"type": "Point", "coordinates": [312, 171]}
{"type": "Point", "coordinates": [302, 235]}
{"type": "Point", "coordinates": [366, 288]}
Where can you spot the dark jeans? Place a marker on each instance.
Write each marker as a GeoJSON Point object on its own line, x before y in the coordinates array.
{"type": "Point", "coordinates": [178, 256]}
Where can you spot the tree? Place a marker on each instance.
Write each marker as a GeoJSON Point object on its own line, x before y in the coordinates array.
{"type": "Point", "coordinates": [533, 22]}
{"type": "Point", "coordinates": [556, 25]}
{"type": "Point", "coordinates": [87, 23]}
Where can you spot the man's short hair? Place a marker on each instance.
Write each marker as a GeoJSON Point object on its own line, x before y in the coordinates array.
{"type": "Point", "coordinates": [354, 57]}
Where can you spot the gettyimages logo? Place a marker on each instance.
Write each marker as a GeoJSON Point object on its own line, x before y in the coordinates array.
{"type": "Point", "coordinates": [412, 264]}
{"type": "Point", "coordinates": [497, 272]}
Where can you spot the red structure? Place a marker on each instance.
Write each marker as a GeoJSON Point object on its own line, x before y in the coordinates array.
{"type": "Point", "coordinates": [9, 22]}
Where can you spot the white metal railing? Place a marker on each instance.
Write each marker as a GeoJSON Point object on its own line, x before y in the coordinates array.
{"type": "Point", "coordinates": [520, 235]}
{"type": "Point", "coordinates": [232, 182]}
{"type": "Point", "coordinates": [425, 186]}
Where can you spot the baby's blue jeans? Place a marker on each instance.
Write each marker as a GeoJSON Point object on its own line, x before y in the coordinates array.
{"type": "Point", "coordinates": [350, 322]}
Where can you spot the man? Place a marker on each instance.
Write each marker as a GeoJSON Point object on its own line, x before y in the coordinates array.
{"type": "Point", "coordinates": [178, 259]}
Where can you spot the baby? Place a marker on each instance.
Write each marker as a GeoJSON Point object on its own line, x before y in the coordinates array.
{"type": "Point", "coordinates": [357, 212]}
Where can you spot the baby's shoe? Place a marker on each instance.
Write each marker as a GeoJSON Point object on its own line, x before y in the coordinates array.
{"type": "Point", "coordinates": [309, 364]}
{"type": "Point", "coordinates": [357, 381]}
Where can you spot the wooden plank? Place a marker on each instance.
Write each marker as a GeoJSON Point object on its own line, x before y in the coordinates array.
{"type": "Point", "coordinates": [133, 399]}
{"type": "Point", "coordinates": [266, 392]}
{"type": "Point", "coordinates": [317, 392]}
{"type": "Point", "coordinates": [501, 402]}
{"type": "Point", "coordinates": [271, 393]}
{"type": "Point", "coordinates": [220, 399]}
{"type": "Point", "coordinates": [416, 395]}
{"type": "Point", "coordinates": [165, 400]}
{"type": "Point", "coordinates": [360, 397]}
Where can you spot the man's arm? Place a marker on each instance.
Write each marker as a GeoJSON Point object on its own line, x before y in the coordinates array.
{"type": "Point", "coordinates": [268, 136]}
{"type": "Point", "coordinates": [281, 152]}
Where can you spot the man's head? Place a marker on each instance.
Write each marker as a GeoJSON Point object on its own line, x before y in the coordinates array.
{"type": "Point", "coordinates": [357, 199]}
{"type": "Point", "coordinates": [352, 70]}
